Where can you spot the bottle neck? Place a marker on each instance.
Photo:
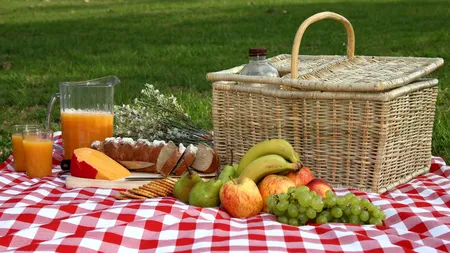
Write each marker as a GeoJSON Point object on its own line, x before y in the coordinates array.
{"type": "Point", "coordinates": [257, 58]}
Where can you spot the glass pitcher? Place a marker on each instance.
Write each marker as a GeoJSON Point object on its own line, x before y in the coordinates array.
{"type": "Point", "coordinates": [87, 112]}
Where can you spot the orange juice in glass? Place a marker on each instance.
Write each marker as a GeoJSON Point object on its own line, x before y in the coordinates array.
{"type": "Point", "coordinates": [38, 149]}
{"type": "Point", "coordinates": [16, 139]}
{"type": "Point", "coordinates": [82, 127]}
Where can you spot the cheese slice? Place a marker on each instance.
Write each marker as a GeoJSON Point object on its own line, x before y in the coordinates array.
{"type": "Point", "coordinates": [90, 163]}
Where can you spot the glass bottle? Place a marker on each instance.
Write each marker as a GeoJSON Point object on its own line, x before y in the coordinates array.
{"type": "Point", "coordinates": [259, 66]}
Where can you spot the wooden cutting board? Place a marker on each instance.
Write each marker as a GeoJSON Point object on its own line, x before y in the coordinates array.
{"type": "Point", "coordinates": [135, 180]}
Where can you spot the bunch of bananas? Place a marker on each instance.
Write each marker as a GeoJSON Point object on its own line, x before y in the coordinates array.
{"type": "Point", "coordinates": [268, 157]}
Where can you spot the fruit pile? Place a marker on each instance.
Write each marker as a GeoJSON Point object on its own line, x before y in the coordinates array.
{"type": "Point", "coordinates": [300, 205]}
{"type": "Point", "coordinates": [270, 178]}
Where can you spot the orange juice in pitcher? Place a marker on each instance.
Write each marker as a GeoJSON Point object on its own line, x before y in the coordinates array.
{"type": "Point", "coordinates": [80, 128]}
{"type": "Point", "coordinates": [87, 113]}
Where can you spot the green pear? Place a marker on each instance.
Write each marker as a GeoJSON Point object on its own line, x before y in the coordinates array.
{"type": "Point", "coordinates": [228, 172]}
{"type": "Point", "coordinates": [206, 193]}
{"type": "Point", "coordinates": [184, 185]}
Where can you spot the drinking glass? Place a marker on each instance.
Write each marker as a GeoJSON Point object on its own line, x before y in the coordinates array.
{"type": "Point", "coordinates": [18, 153]}
{"type": "Point", "coordinates": [38, 147]}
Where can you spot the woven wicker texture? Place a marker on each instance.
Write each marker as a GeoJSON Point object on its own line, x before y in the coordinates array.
{"type": "Point", "coordinates": [366, 73]}
{"type": "Point", "coordinates": [282, 62]}
{"type": "Point", "coordinates": [369, 141]}
{"type": "Point", "coordinates": [333, 73]}
{"type": "Point", "coordinates": [358, 121]}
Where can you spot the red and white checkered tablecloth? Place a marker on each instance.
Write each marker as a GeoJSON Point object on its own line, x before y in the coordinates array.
{"type": "Point", "coordinates": [44, 215]}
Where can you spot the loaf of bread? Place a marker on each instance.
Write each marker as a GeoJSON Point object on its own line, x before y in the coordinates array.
{"type": "Point", "coordinates": [158, 156]}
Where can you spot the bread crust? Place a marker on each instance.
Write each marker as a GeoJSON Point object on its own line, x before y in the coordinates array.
{"type": "Point", "coordinates": [167, 158]}
{"type": "Point", "coordinates": [165, 167]}
{"type": "Point", "coordinates": [186, 160]}
{"type": "Point", "coordinates": [207, 160]}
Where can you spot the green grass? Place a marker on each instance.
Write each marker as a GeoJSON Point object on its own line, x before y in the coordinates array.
{"type": "Point", "coordinates": [173, 44]}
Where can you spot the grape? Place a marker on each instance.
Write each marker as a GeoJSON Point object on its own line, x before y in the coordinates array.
{"type": "Point", "coordinates": [356, 210]}
{"type": "Point", "coordinates": [313, 194]}
{"type": "Point", "coordinates": [293, 222]}
{"type": "Point", "coordinates": [301, 189]}
{"type": "Point", "coordinates": [382, 215]}
{"type": "Point", "coordinates": [376, 213]}
{"type": "Point", "coordinates": [348, 196]}
{"type": "Point", "coordinates": [321, 219]}
{"type": "Point", "coordinates": [340, 201]}
{"type": "Point", "coordinates": [336, 220]}
{"type": "Point", "coordinates": [354, 219]}
{"type": "Point", "coordinates": [301, 209]}
{"type": "Point", "coordinates": [355, 201]}
{"type": "Point", "coordinates": [364, 216]}
{"type": "Point", "coordinates": [283, 219]}
{"type": "Point", "coordinates": [365, 203]}
{"type": "Point", "coordinates": [327, 214]}
{"type": "Point", "coordinates": [292, 211]}
{"type": "Point", "coordinates": [291, 189]}
{"type": "Point", "coordinates": [347, 211]}
{"type": "Point", "coordinates": [375, 221]}
{"type": "Point", "coordinates": [331, 201]}
{"type": "Point", "coordinates": [282, 205]}
{"type": "Point", "coordinates": [336, 212]}
{"type": "Point", "coordinates": [271, 201]}
{"type": "Point", "coordinates": [329, 194]}
{"type": "Point", "coordinates": [302, 218]}
{"type": "Point", "coordinates": [311, 213]}
{"type": "Point", "coordinates": [278, 213]}
{"type": "Point", "coordinates": [283, 196]}
{"type": "Point", "coordinates": [304, 199]}
{"type": "Point", "coordinates": [317, 204]}
{"type": "Point", "coordinates": [371, 207]}
{"type": "Point", "coordinates": [344, 219]}
{"type": "Point", "coordinates": [325, 202]}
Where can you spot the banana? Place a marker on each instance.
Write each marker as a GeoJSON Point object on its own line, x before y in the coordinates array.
{"type": "Point", "coordinates": [268, 164]}
{"type": "Point", "coordinates": [274, 146]}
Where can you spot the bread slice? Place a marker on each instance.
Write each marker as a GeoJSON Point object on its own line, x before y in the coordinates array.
{"type": "Point", "coordinates": [206, 160]}
{"type": "Point", "coordinates": [186, 160]}
{"type": "Point", "coordinates": [157, 146]}
{"type": "Point", "coordinates": [168, 158]}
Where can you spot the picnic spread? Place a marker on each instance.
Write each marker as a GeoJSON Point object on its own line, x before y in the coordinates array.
{"type": "Point", "coordinates": [44, 215]}
{"type": "Point", "coordinates": [307, 153]}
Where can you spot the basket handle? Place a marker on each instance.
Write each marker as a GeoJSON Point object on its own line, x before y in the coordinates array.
{"type": "Point", "coordinates": [317, 17]}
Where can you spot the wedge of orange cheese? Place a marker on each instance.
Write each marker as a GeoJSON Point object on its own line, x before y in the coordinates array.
{"type": "Point", "coordinates": [90, 163]}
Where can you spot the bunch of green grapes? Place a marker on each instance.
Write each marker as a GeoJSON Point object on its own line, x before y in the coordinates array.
{"type": "Point", "coordinates": [299, 206]}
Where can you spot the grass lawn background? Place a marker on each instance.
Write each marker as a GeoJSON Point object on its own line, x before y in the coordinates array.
{"type": "Point", "coordinates": [173, 44]}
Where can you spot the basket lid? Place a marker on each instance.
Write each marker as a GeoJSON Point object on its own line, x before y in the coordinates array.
{"type": "Point", "coordinates": [339, 73]}
{"type": "Point", "coordinates": [357, 73]}
{"type": "Point", "coordinates": [365, 73]}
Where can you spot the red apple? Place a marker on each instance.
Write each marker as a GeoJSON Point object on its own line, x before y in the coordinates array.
{"type": "Point", "coordinates": [301, 177]}
{"type": "Point", "coordinates": [274, 184]}
{"type": "Point", "coordinates": [319, 186]}
{"type": "Point", "coordinates": [241, 197]}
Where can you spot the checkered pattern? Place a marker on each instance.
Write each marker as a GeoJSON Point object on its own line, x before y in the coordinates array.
{"type": "Point", "coordinates": [43, 215]}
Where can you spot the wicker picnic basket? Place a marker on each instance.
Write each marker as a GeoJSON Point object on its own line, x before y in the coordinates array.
{"type": "Point", "coordinates": [362, 122]}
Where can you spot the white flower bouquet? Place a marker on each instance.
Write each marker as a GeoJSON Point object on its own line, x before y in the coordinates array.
{"type": "Point", "coordinates": [154, 116]}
